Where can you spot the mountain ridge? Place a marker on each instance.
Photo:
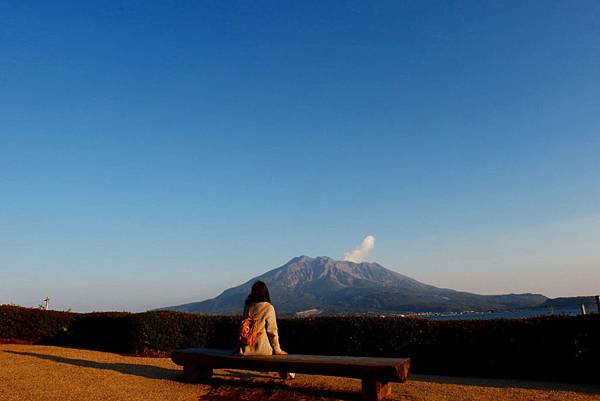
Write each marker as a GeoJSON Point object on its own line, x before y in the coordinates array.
{"type": "Point", "coordinates": [334, 287]}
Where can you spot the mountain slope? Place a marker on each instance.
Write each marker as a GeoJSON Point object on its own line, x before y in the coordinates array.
{"type": "Point", "coordinates": [336, 287]}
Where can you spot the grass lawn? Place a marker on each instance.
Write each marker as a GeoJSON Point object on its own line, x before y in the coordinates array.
{"type": "Point", "coordinates": [32, 372]}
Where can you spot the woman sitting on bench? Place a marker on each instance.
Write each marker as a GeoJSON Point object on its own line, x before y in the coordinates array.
{"type": "Point", "coordinates": [258, 306]}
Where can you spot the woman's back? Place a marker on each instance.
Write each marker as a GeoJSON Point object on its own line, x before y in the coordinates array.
{"type": "Point", "coordinates": [267, 341]}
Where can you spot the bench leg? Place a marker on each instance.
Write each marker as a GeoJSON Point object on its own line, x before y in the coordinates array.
{"type": "Point", "coordinates": [373, 390]}
{"type": "Point", "coordinates": [196, 373]}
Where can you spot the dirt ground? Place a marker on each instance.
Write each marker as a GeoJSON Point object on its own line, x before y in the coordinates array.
{"type": "Point", "coordinates": [30, 373]}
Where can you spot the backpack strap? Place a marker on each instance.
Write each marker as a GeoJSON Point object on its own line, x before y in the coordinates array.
{"type": "Point", "coordinates": [261, 310]}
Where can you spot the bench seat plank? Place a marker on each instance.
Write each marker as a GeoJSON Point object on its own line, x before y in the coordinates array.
{"type": "Point", "coordinates": [366, 368]}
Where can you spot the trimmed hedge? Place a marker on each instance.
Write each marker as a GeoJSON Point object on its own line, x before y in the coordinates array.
{"type": "Point", "coordinates": [123, 332]}
{"type": "Point", "coordinates": [167, 331]}
{"type": "Point", "coordinates": [549, 348]}
{"type": "Point", "coordinates": [105, 331]}
{"type": "Point", "coordinates": [32, 325]}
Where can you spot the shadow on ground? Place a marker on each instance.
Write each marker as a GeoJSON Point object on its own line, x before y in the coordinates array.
{"type": "Point", "coordinates": [231, 387]}
{"type": "Point", "coordinates": [147, 371]}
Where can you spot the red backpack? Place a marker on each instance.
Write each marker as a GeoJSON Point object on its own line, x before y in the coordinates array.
{"type": "Point", "coordinates": [249, 328]}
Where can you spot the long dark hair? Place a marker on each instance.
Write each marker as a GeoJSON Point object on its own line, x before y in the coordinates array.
{"type": "Point", "coordinates": [259, 293]}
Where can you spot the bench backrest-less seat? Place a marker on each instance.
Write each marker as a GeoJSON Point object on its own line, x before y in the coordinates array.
{"type": "Point", "coordinates": [375, 373]}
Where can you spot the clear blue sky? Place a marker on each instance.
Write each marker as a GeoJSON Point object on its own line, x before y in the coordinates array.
{"type": "Point", "coordinates": [154, 153]}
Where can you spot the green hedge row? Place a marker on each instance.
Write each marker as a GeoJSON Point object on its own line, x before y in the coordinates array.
{"type": "Point", "coordinates": [549, 348]}
{"type": "Point", "coordinates": [32, 325]}
{"type": "Point", "coordinates": [130, 333]}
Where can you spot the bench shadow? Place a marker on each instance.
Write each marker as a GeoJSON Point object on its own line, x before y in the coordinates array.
{"type": "Point", "coordinates": [237, 386]}
{"type": "Point", "coordinates": [147, 371]}
{"type": "Point", "coordinates": [247, 375]}
{"type": "Point", "coordinates": [508, 383]}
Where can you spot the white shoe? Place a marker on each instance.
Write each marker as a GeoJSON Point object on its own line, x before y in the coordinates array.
{"type": "Point", "coordinates": [287, 376]}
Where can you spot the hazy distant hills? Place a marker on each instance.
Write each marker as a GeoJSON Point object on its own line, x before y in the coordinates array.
{"type": "Point", "coordinates": [571, 302]}
{"type": "Point", "coordinates": [339, 287]}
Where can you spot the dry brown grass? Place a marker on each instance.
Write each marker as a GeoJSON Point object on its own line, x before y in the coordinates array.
{"type": "Point", "coordinates": [29, 373]}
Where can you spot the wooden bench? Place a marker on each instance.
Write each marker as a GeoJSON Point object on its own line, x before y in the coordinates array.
{"type": "Point", "coordinates": [376, 373]}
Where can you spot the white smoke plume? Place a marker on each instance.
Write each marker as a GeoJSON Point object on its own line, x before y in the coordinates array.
{"type": "Point", "coordinates": [359, 253]}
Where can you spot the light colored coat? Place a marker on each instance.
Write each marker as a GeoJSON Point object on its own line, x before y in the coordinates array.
{"type": "Point", "coordinates": [267, 342]}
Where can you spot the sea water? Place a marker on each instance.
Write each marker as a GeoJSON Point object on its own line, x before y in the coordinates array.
{"type": "Point", "coordinates": [512, 314]}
